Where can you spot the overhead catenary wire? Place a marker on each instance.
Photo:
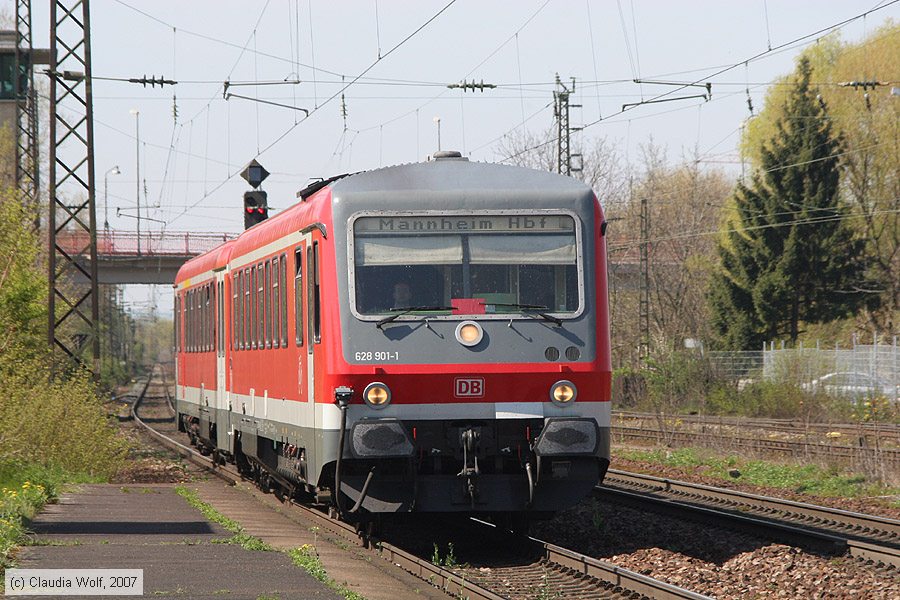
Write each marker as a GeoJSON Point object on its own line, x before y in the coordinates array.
{"type": "Point", "coordinates": [726, 69]}
{"type": "Point", "coordinates": [327, 101]}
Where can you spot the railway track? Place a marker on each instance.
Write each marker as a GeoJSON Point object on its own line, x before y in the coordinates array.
{"type": "Point", "coordinates": [545, 571]}
{"type": "Point", "coordinates": [872, 539]}
{"type": "Point", "coordinates": [795, 449]}
{"type": "Point", "coordinates": [795, 426]}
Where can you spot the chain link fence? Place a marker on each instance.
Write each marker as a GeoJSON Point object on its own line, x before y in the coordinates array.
{"type": "Point", "coordinates": [856, 370]}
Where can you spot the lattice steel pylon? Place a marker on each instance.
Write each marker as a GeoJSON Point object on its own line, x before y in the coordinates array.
{"type": "Point", "coordinates": [561, 106]}
{"type": "Point", "coordinates": [644, 301]}
{"type": "Point", "coordinates": [27, 164]}
{"type": "Point", "coordinates": [72, 205]}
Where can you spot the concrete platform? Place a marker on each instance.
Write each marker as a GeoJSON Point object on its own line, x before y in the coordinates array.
{"type": "Point", "coordinates": [150, 527]}
{"type": "Point", "coordinates": [266, 518]}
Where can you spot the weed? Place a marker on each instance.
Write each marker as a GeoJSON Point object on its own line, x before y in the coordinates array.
{"type": "Point", "coordinates": [240, 538]}
{"type": "Point", "coordinates": [307, 559]}
{"type": "Point", "coordinates": [448, 561]}
{"type": "Point", "coordinates": [45, 542]}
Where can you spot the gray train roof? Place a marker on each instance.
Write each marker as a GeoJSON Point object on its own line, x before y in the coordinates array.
{"type": "Point", "coordinates": [457, 174]}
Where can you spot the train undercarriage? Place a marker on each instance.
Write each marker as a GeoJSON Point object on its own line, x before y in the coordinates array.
{"type": "Point", "coordinates": [510, 472]}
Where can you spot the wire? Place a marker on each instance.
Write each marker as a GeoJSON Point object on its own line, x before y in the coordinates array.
{"type": "Point", "coordinates": [805, 221]}
{"type": "Point", "coordinates": [317, 108]}
{"type": "Point", "coordinates": [721, 71]}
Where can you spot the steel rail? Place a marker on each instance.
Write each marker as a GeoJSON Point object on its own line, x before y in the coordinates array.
{"type": "Point", "coordinates": [867, 537]}
{"type": "Point", "coordinates": [787, 425]}
{"type": "Point", "coordinates": [621, 579]}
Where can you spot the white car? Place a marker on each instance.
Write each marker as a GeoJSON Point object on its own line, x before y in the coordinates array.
{"type": "Point", "coordinates": [852, 385]}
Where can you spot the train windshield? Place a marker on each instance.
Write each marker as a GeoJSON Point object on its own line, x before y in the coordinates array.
{"type": "Point", "coordinates": [477, 263]}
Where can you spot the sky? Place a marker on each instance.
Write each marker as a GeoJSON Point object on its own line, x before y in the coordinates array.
{"type": "Point", "coordinates": [392, 61]}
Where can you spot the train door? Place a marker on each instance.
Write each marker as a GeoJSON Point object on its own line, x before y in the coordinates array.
{"type": "Point", "coordinates": [304, 358]}
{"type": "Point", "coordinates": [223, 414]}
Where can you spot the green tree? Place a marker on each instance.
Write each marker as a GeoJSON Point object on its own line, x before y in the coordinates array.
{"type": "Point", "coordinates": [788, 255]}
{"type": "Point", "coordinates": [868, 120]}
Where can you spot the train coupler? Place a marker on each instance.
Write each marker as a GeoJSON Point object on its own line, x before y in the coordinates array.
{"type": "Point", "coordinates": [469, 439]}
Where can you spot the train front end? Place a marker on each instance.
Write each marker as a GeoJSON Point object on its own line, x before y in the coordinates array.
{"type": "Point", "coordinates": [473, 372]}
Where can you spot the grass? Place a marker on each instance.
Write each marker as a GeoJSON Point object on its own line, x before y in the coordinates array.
{"type": "Point", "coordinates": [304, 557]}
{"type": "Point", "coordinates": [807, 479]}
{"type": "Point", "coordinates": [307, 559]}
{"type": "Point", "coordinates": [24, 489]}
{"type": "Point", "coordinates": [240, 538]}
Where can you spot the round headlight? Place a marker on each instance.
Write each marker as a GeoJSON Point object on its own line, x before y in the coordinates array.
{"type": "Point", "coordinates": [469, 333]}
{"type": "Point", "coordinates": [563, 392]}
{"type": "Point", "coordinates": [377, 395]}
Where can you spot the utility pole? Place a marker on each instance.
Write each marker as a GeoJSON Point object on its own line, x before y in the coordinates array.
{"type": "Point", "coordinates": [137, 169]}
{"type": "Point", "coordinates": [644, 301]}
{"type": "Point", "coordinates": [561, 108]}
{"type": "Point", "coordinates": [73, 326]}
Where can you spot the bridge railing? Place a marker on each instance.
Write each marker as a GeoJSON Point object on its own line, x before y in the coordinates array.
{"type": "Point", "coordinates": [171, 243]}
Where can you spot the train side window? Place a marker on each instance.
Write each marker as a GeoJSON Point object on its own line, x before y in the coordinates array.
{"type": "Point", "coordinates": [247, 305]}
{"type": "Point", "coordinates": [276, 309]}
{"type": "Point", "coordinates": [177, 316]}
{"type": "Point", "coordinates": [205, 297]}
{"type": "Point", "coordinates": [236, 309]}
{"type": "Point", "coordinates": [260, 306]}
{"type": "Point", "coordinates": [267, 293]}
{"type": "Point", "coordinates": [187, 321]}
{"type": "Point", "coordinates": [240, 310]}
{"type": "Point", "coordinates": [298, 296]}
{"type": "Point", "coordinates": [210, 317]}
{"type": "Point", "coordinates": [193, 320]}
{"type": "Point", "coordinates": [220, 307]}
{"type": "Point", "coordinates": [188, 313]}
{"type": "Point", "coordinates": [282, 279]}
{"type": "Point", "coordinates": [201, 302]}
{"type": "Point", "coordinates": [198, 324]}
{"type": "Point", "coordinates": [253, 308]}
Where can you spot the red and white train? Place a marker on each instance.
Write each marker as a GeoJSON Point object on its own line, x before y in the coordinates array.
{"type": "Point", "coordinates": [431, 337]}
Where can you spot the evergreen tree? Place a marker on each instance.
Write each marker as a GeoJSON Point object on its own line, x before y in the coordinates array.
{"type": "Point", "coordinates": [789, 256]}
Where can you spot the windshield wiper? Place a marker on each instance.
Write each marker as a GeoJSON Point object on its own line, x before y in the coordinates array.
{"type": "Point", "coordinates": [406, 311]}
{"type": "Point", "coordinates": [535, 308]}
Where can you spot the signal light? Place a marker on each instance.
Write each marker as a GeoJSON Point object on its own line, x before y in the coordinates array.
{"type": "Point", "coordinates": [256, 208]}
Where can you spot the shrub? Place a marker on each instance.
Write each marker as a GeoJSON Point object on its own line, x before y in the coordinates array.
{"type": "Point", "coordinates": [57, 424]}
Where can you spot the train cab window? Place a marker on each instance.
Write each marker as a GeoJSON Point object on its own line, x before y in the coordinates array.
{"type": "Point", "coordinates": [284, 301]}
{"type": "Point", "coordinates": [298, 296]}
{"type": "Point", "coordinates": [505, 263]}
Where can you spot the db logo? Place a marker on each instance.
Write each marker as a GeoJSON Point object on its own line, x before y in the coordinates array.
{"type": "Point", "coordinates": [471, 387]}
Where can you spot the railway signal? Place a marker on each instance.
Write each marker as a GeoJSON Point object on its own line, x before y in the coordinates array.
{"type": "Point", "coordinates": [256, 205]}
{"type": "Point", "coordinates": [256, 208]}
